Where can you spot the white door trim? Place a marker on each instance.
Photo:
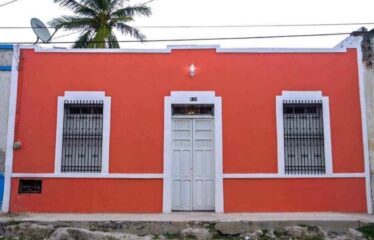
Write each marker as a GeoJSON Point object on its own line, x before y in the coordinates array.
{"type": "Point", "coordinates": [193, 97]}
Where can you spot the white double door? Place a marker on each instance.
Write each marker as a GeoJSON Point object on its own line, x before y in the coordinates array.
{"type": "Point", "coordinates": [193, 164]}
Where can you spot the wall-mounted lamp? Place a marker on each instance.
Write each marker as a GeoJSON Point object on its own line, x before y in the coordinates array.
{"type": "Point", "coordinates": [17, 145]}
{"type": "Point", "coordinates": [192, 70]}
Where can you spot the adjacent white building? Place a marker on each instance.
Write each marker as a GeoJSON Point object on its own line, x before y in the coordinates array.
{"type": "Point", "coordinates": [5, 77]}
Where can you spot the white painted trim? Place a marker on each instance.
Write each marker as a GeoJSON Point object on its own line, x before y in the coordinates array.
{"type": "Point", "coordinates": [280, 133]}
{"type": "Point", "coordinates": [219, 197]}
{"type": "Point", "coordinates": [170, 48]}
{"type": "Point", "coordinates": [83, 95]}
{"type": "Point", "coordinates": [193, 46]}
{"type": "Point", "coordinates": [90, 175]}
{"type": "Point", "coordinates": [59, 129]}
{"type": "Point", "coordinates": [183, 97]}
{"type": "Point", "coordinates": [106, 134]}
{"type": "Point", "coordinates": [365, 140]}
{"type": "Point", "coordinates": [161, 176]}
{"type": "Point", "coordinates": [166, 199]}
{"type": "Point", "coordinates": [281, 50]}
{"type": "Point", "coordinates": [11, 128]}
{"type": "Point", "coordinates": [283, 176]}
{"type": "Point", "coordinates": [303, 95]}
{"type": "Point", "coordinates": [86, 50]}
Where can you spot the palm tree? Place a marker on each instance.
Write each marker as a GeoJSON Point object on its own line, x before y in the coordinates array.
{"type": "Point", "coordinates": [96, 20]}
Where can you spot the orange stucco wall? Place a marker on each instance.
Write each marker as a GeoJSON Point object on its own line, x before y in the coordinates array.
{"type": "Point", "coordinates": [137, 83]}
{"type": "Point", "coordinates": [90, 195]}
{"type": "Point", "coordinates": [295, 195]}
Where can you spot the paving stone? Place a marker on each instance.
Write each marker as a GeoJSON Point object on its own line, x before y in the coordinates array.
{"type": "Point", "coordinates": [170, 230]}
{"type": "Point", "coordinates": [232, 228]}
{"type": "Point", "coordinates": [355, 234]}
{"type": "Point", "coordinates": [198, 233]}
{"type": "Point", "coordinates": [84, 234]}
{"type": "Point", "coordinates": [28, 231]}
{"type": "Point", "coordinates": [296, 231]}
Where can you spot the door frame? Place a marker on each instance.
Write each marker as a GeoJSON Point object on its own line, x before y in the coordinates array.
{"type": "Point", "coordinates": [192, 97]}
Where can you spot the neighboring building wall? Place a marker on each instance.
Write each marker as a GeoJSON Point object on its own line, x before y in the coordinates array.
{"type": "Point", "coordinates": [4, 100]}
{"type": "Point", "coordinates": [137, 84]}
{"type": "Point", "coordinates": [5, 76]}
{"type": "Point", "coordinates": [369, 92]}
{"type": "Point", "coordinates": [368, 63]}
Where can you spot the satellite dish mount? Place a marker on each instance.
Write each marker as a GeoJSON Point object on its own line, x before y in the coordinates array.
{"type": "Point", "coordinates": [41, 31]}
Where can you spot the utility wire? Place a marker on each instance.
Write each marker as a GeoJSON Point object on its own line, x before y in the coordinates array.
{"type": "Point", "coordinates": [229, 26]}
{"type": "Point", "coordinates": [259, 25]}
{"type": "Point", "coordinates": [200, 39]}
{"type": "Point", "coordinates": [65, 35]}
{"type": "Point", "coordinates": [7, 3]}
{"type": "Point", "coordinates": [145, 3]}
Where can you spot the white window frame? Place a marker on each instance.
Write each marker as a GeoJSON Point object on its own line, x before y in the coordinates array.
{"type": "Point", "coordinates": [83, 96]}
{"type": "Point", "coordinates": [303, 96]}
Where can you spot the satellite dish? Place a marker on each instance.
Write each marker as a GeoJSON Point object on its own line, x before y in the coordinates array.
{"type": "Point", "coordinates": [41, 31]}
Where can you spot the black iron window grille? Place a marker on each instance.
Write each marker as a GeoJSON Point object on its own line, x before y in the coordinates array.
{"type": "Point", "coordinates": [192, 109]}
{"type": "Point", "coordinates": [303, 137]}
{"type": "Point", "coordinates": [30, 186]}
{"type": "Point", "coordinates": [82, 137]}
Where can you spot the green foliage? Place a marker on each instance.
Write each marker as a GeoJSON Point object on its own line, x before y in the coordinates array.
{"type": "Point", "coordinates": [368, 231]}
{"type": "Point", "coordinates": [111, 238]}
{"type": "Point", "coordinates": [310, 228]}
{"type": "Point", "coordinates": [13, 238]}
{"type": "Point", "coordinates": [225, 237]}
{"type": "Point", "coordinates": [13, 222]}
{"type": "Point", "coordinates": [171, 235]}
{"type": "Point", "coordinates": [96, 20]}
{"type": "Point", "coordinates": [279, 233]}
{"type": "Point", "coordinates": [314, 238]}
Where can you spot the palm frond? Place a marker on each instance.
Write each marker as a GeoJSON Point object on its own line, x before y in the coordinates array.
{"type": "Point", "coordinates": [132, 11]}
{"type": "Point", "coordinates": [112, 41]}
{"type": "Point", "coordinates": [99, 5]}
{"type": "Point", "coordinates": [81, 7]}
{"type": "Point", "coordinates": [99, 40]}
{"type": "Point", "coordinates": [93, 4]}
{"type": "Point", "coordinates": [114, 4]}
{"type": "Point", "coordinates": [72, 4]}
{"type": "Point", "coordinates": [82, 41]}
{"type": "Point", "coordinates": [126, 29]}
{"type": "Point", "coordinates": [71, 22]}
{"type": "Point", "coordinates": [103, 4]}
{"type": "Point", "coordinates": [115, 20]}
{"type": "Point", "coordinates": [86, 11]}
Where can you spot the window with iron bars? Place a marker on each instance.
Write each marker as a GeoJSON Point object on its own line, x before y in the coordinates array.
{"type": "Point", "coordinates": [303, 137]}
{"type": "Point", "coordinates": [82, 137]}
{"type": "Point", "coordinates": [30, 186]}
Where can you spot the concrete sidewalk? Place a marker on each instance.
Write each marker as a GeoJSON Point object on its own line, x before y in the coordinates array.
{"type": "Point", "coordinates": [193, 216]}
